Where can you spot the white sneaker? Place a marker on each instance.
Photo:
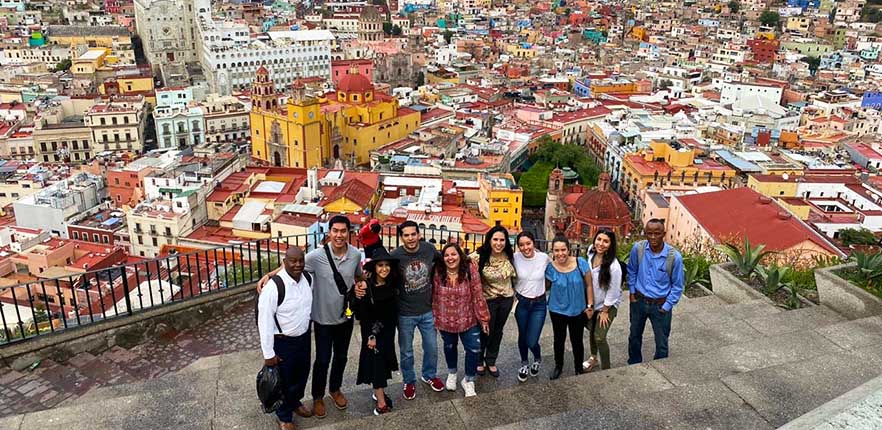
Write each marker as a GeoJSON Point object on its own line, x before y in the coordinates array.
{"type": "Point", "coordinates": [469, 388]}
{"type": "Point", "coordinates": [451, 382]}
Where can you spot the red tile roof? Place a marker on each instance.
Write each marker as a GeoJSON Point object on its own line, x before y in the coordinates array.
{"type": "Point", "coordinates": [745, 214]}
{"type": "Point", "coordinates": [355, 190]}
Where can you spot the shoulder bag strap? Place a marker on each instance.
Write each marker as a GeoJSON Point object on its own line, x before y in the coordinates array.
{"type": "Point", "coordinates": [338, 278]}
{"type": "Point", "coordinates": [280, 289]}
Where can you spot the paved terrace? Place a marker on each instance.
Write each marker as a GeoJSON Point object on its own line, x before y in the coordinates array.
{"type": "Point", "coordinates": [745, 365]}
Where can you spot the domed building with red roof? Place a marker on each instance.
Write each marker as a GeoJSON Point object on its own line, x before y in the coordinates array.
{"type": "Point", "coordinates": [579, 212]}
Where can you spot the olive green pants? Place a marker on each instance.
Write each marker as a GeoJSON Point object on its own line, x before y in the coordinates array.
{"type": "Point", "coordinates": [597, 337]}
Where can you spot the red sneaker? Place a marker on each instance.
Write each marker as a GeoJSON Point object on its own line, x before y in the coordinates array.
{"type": "Point", "coordinates": [435, 383]}
{"type": "Point", "coordinates": [409, 392]}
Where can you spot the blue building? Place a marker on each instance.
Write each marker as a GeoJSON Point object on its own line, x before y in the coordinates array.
{"type": "Point", "coordinates": [872, 100]}
{"type": "Point", "coordinates": [805, 4]}
{"type": "Point", "coordinates": [582, 87]}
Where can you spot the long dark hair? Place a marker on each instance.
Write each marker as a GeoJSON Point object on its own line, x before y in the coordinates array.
{"type": "Point", "coordinates": [464, 262]}
{"type": "Point", "coordinates": [609, 257]}
{"type": "Point", "coordinates": [394, 279]}
{"type": "Point", "coordinates": [486, 248]}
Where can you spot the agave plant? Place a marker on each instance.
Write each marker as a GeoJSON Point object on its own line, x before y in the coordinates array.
{"type": "Point", "coordinates": [869, 267]}
{"type": "Point", "coordinates": [774, 278]}
{"type": "Point", "coordinates": [694, 273]}
{"type": "Point", "coordinates": [746, 261]}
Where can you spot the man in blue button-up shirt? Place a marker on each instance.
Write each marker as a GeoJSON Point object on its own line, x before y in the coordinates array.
{"type": "Point", "coordinates": [655, 290]}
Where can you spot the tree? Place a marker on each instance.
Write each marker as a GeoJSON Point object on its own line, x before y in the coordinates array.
{"type": "Point", "coordinates": [421, 79]}
{"type": "Point", "coordinates": [396, 30]}
{"type": "Point", "coordinates": [534, 183]}
{"type": "Point", "coordinates": [770, 18]}
{"type": "Point", "coordinates": [665, 84]}
{"type": "Point", "coordinates": [853, 236]}
{"type": "Point", "coordinates": [448, 35]}
{"type": "Point", "coordinates": [573, 156]}
{"type": "Point", "coordinates": [734, 6]}
{"type": "Point", "coordinates": [813, 63]}
{"type": "Point", "coordinates": [387, 28]}
{"type": "Point", "coordinates": [63, 66]}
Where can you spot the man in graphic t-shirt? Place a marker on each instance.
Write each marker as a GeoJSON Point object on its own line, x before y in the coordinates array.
{"type": "Point", "coordinates": [416, 259]}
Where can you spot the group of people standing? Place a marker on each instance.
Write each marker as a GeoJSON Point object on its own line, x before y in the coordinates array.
{"type": "Point", "coordinates": [465, 298]}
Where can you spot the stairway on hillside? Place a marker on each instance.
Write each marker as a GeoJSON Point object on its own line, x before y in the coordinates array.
{"type": "Point", "coordinates": [745, 365]}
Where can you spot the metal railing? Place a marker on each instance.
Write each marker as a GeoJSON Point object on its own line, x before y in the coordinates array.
{"type": "Point", "coordinates": [46, 306]}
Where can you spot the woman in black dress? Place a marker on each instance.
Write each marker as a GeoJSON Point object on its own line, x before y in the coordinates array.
{"type": "Point", "coordinates": [377, 312]}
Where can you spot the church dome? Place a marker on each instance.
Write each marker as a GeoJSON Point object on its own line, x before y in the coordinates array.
{"type": "Point", "coordinates": [370, 14]}
{"type": "Point", "coordinates": [602, 206]}
{"type": "Point", "coordinates": [355, 83]}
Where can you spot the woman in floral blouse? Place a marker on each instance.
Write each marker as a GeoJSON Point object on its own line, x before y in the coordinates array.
{"type": "Point", "coordinates": [459, 308]}
{"type": "Point", "coordinates": [495, 260]}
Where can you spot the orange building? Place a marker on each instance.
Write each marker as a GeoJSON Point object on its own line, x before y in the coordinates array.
{"type": "Point", "coordinates": [124, 186]}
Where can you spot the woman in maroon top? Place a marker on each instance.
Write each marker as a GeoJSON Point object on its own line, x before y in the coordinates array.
{"type": "Point", "coordinates": [459, 308]}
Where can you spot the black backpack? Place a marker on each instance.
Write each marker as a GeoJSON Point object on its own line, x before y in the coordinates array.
{"type": "Point", "coordinates": [280, 286]}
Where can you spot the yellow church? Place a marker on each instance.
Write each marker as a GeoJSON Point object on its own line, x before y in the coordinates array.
{"type": "Point", "coordinates": [310, 131]}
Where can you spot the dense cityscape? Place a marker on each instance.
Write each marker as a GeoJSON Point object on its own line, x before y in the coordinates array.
{"type": "Point", "coordinates": [135, 132]}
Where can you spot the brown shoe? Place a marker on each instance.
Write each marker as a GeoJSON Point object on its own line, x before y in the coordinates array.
{"type": "Point", "coordinates": [287, 426]}
{"type": "Point", "coordinates": [303, 411]}
{"type": "Point", "coordinates": [318, 408]}
{"type": "Point", "coordinates": [339, 400]}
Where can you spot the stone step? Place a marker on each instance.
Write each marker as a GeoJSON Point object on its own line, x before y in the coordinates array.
{"type": "Point", "coordinates": [785, 392]}
{"type": "Point", "coordinates": [854, 334]}
{"type": "Point", "coordinates": [858, 409]}
{"type": "Point", "coordinates": [744, 357]}
{"type": "Point", "coordinates": [795, 320]}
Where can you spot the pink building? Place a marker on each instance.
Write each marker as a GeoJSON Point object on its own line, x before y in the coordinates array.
{"type": "Point", "coordinates": [340, 68]}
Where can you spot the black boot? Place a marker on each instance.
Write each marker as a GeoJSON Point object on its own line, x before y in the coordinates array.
{"type": "Point", "coordinates": [555, 374]}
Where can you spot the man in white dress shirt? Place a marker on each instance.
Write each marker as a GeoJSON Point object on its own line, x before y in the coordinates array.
{"type": "Point", "coordinates": [285, 335]}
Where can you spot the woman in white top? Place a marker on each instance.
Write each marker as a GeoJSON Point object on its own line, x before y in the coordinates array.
{"type": "Point", "coordinates": [606, 272]}
{"type": "Point", "coordinates": [532, 306]}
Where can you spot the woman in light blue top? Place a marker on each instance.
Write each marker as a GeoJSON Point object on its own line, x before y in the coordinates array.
{"type": "Point", "coordinates": [570, 303]}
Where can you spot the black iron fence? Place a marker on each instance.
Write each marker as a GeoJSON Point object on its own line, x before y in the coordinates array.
{"type": "Point", "coordinates": [45, 306]}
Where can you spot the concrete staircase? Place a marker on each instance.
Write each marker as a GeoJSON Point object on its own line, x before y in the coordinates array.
{"type": "Point", "coordinates": [744, 365]}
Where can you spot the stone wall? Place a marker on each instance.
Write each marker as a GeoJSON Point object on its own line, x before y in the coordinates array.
{"type": "Point", "coordinates": [126, 331]}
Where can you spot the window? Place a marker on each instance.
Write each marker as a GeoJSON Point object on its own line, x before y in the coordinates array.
{"type": "Point", "coordinates": [105, 239]}
{"type": "Point", "coordinates": [76, 235]}
{"type": "Point", "coordinates": [141, 242]}
{"type": "Point", "coordinates": [96, 238]}
{"type": "Point", "coordinates": [155, 242]}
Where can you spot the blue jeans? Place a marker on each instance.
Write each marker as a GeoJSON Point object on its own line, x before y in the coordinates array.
{"type": "Point", "coordinates": [471, 342]}
{"type": "Point", "coordinates": [406, 327]}
{"type": "Point", "coordinates": [530, 316]}
{"type": "Point", "coordinates": [641, 310]}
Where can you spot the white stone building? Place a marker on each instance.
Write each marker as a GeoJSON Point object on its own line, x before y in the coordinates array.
{"type": "Point", "coordinates": [168, 31]}
{"type": "Point", "coordinates": [230, 56]}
